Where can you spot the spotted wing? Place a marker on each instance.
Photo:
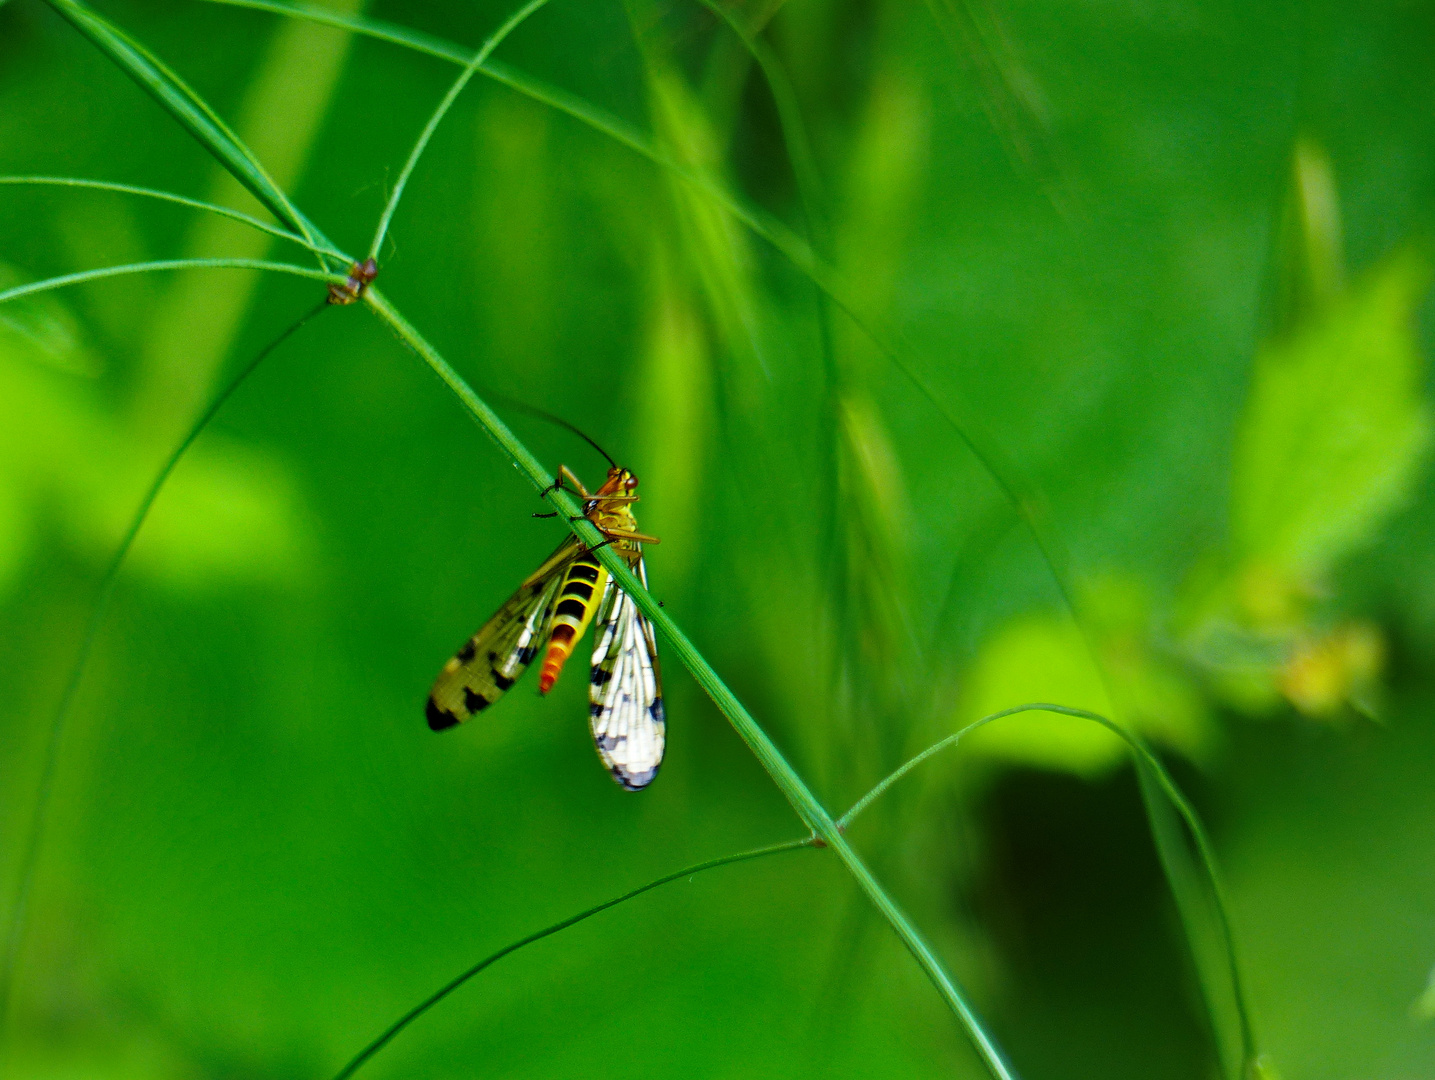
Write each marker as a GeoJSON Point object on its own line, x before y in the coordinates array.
{"type": "Point", "coordinates": [496, 656]}
{"type": "Point", "coordinates": [626, 692]}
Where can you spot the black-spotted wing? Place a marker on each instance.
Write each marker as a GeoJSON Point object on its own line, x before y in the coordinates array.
{"type": "Point", "coordinates": [497, 655]}
{"type": "Point", "coordinates": [626, 692]}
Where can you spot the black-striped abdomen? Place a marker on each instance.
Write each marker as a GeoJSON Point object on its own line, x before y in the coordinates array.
{"type": "Point", "coordinates": [577, 601]}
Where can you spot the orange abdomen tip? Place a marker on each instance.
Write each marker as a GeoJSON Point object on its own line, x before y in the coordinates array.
{"type": "Point", "coordinates": [559, 646]}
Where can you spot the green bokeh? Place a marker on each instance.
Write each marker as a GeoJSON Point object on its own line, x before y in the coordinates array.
{"type": "Point", "coordinates": [1083, 221]}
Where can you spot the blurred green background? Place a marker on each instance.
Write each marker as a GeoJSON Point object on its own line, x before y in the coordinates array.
{"type": "Point", "coordinates": [1173, 256]}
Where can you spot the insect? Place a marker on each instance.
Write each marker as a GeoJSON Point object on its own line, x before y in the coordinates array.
{"type": "Point", "coordinates": [360, 275]}
{"type": "Point", "coordinates": [550, 613]}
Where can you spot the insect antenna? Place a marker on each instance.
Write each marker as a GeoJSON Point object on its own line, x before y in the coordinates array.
{"type": "Point", "coordinates": [542, 414]}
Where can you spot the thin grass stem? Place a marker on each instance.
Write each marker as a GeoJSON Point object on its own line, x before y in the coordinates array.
{"type": "Point", "coordinates": [448, 988]}
{"type": "Point", "coordinates": [510, 24]}
{"type": "Point", "coordinates": [363, 25]}
{"type": "Point", "coordinates": [171, 197]}
{"type": "Point", "coordinates": [798, 145]}
{"type": "Point", "coordinates": [1152, 764]}
{"type": "Point", "coordinates": [29, 860]}
{"type": "Point", "coordinates": [165, 264]}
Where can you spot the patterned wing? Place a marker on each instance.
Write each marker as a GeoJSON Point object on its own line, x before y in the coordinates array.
{"type": "Point", "coordinates": [496, 656]}
{"type": "Point", "coordinates": [626, 695]}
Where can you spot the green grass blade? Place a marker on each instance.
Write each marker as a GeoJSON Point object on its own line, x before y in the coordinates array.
{"type": "Point", "coordinates": [34, 840]}
{"type": "Point", "coordinates": [808, 809]}
{"type": "Point", "coordinates": [1195, 905]}
{"type": "Point", "coordinates": [193, 113]}
{"type": "Point", "coordinates": [789, 115]}
{"type": "Point", "coordinates": [171, 197]}
{"type": "Point", "coordinates": [165, 264]}
{"type": "Point", "coordinates": [1152, 768]}
{"type": "Point", "coordinates": [448, 988]}
{"type": "Point", "coordinates": [510, 24]}
{"type": "Point", "coordinates": [579, 108]}
{"type": "Point", "coordinates": [361, 24]}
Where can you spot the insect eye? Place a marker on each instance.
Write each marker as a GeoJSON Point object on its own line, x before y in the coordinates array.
{"type": "Point", "coordinates": [631, 483]}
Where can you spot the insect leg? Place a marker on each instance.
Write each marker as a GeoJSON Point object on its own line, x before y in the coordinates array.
{"type": "Point", "coordinates": [624, 534]}
{"type": "Point", "coordinates": [566, 479]}
{"type": "Point", "coordinates": [566, 474]}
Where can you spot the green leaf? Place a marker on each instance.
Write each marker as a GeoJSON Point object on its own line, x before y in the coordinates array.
{"type": "Point", "coordinates": [1334, 428]}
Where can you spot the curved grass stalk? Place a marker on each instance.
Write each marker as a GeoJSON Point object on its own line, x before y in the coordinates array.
{"type": "Point", "coordinates": [29, 859]}
{"type": "Point", "coordinates": [448, 988]}
{"type": "Point", "coordinates": [1169, 787]}
{"type": "Point", "coordinates": [1145, 759]}
{"type": "Point", "coordinates": [793, 788]}
{"type": "Point", "coordinates": [193, 113]}
{"type": "Point", "coordinates": [510, 24]}
{"type": "Point", "coordinates": [165, 264]}
{"type": "Point", "coordinates": [171, 197]}
{"type": "Point", "coordinates": [363, 25]}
